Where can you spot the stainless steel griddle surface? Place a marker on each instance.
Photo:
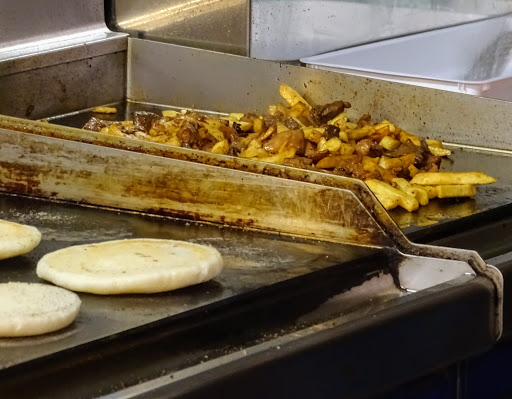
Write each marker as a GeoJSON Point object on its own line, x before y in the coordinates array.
{"type": "Point", "coordinates": [439, 212]}
{"type": "Point", "coordinates": [252, 261]}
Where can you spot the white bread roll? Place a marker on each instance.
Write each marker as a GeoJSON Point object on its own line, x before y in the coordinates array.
{"type": "Point", "coordinates": [32, 309]}
{"type": "Point", "coordinates": [17, 239]}
{"type": "Point", "coordinates": [131, 266]}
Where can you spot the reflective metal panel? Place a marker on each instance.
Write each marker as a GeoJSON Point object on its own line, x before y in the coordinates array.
{"type": "Point", "coordinates": [220, 25]}
{"type": "Point", "coordinates": [292, 29]}
{"type": "Point", "coordinates": [39, 92]}
{"type": "Point", "coordinates": [24, 21]}
{"type": "Point", "coordinates": [289, 29]}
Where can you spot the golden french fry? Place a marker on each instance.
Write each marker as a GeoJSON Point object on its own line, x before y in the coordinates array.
{"type": "Point", "coordinates": [387, 124]}
{"type": "Point", "coordinates": [457, 190]}
{"type": "Point", "coordinates": [281, 127]}
{"type": "Point", "coordinates": [114, 130]}
{"type": "Point", "coordinates": [340, 120]}
{"type": "Point", "coordinates": [297, 110]}
{"type": "Point", "coordinates": [235, 116]}
{"type": "Point", "coordinates": [280, 156]}
{"type": "Point", "coordinates": [418, 193]}
{"type": "Point", "coordinates": [320, 146]}
{"type": "Point", "coordinates": [389, 195]}
{"type": "Point", "coordinates": [313, 134]}
{"type": "Point", "coordinates": [170, 113]}
{"type": "Point", "coordinates": [258, 125]}
{"type": "Point", "coordinates": [222, 147]}
{"type": "Point", "coordinates": [277, 109]}
{"type": "Point", "coordinates": [367, 160]}
{"type": "Point", "coordinates": [422, 196]}
{"type": "Point", "coordinates": [403, 185]}
{"type": "Point", "coordinates": [343, 136]}
{"type": "Point", "coordinates": [359, 133]}
{"type": "Point", "coordinates": [413, 170]}
{"type": "Point", "coordinates": [440, 152]}
{"type": "Point", "coordinates": [434, 143]}
{"type": "Point", "coordinates": [332, 145]}
{"type": "Point", "coordinates": [329, 162]}
{"type": "Point", "coordinates": [214, 131]}
{"type": "Point", "coordinates": [390, 163]}
{"type": "Point", "coordinates": [291, 96]}
{"type": "Point", "coordinates": [388, 202]}
{"type": "Point", "coordinates": [254, 150]}
{"type": "Point", "coordinates": [442, 178]}
{"type": "Point", "coordinates": [346, 149]}
{"type": "Point", "coordinates": [389, 143]}
{"type": "Point", "coordinates": [104, 110]}
{"type": "Point", "coordinates": [173, 141]}
{"type": "Point", "coordinates": [430, 190]}
{"type": "Point", "coordinates": [404, 136]}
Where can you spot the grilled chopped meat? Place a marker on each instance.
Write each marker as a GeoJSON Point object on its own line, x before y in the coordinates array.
{"type": "Point", "coordinates": [291, 124]}
{"type": "Point", "coordinates": [321, 114]}
{"type": "Point", "coordinates": [370, 148]}
{"type": "Point", "coordinates": [313, 153]}
{"type": "Point", "coordinates": [407, 148]}
{"type": "Point", "coordinates": [351, 166]}
{"type": "Point", "coordinates": [230, 134]}
{"type": "Point", "coordinates": [270, 120]}
{"type": "Point", "coordinates": [431, 163]}
{"type": "Point", "coordinates": [288, 139]}
{"type": "Point", "coordinates": [331, 131]}
{"type": "Point", "coordinates": [364, 120]}
{"type": "Point", "coordinates": [188, 135]}
{"type": "Point", "coordinates": [423, 158]}
{"type": "Point", "coordinates": [299, 162]}
{"type": "Point", "coordinates": [144, 120]}
{"type": "Point", "coordinates": [207, 142]}
{"type": "Point", "coordinates": [96, 124]}
{"type": "Point", "coordinates": [239, 130]}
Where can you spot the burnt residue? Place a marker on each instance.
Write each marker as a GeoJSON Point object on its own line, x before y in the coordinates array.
{"type": "Point", "coordinates": [19, 178]}
{"type": "Point", "coordinates": [181, 214]}
{"type": "Point", "coordinates": [394, 260]}
{"type": "Point", "coordinates": [29, 110]}
{"type": "Point", "coordinates": [204, 217]}
{"type": "Point", "coordinates": [355, 216]}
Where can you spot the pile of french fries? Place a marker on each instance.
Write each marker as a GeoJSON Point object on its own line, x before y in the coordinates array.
{"type": "Point", "coordinates": [409, 195]}
{"type": "Point", "coordinates": [425, 186]}
{"type": "Point", "coordinates": [396, 181]}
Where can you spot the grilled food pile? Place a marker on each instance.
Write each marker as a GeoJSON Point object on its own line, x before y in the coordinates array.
{"type": "Point", "coordinates": [400, 168]}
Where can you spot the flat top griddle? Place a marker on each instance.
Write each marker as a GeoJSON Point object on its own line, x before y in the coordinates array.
{"type": "Point", "coordinates": [439, 214]}
{"type": "Point", "coordinates": [253, 262]}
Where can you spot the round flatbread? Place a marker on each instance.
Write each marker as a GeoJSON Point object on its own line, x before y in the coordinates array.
{"type": "Point", "coordinates": [130, 266]}
{"type": "Point", "coordinates": [17, 239]}
{"type": "Point", "coordinates": [32, 309]}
